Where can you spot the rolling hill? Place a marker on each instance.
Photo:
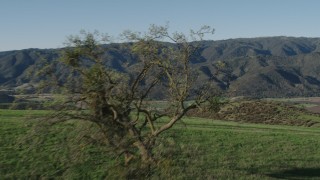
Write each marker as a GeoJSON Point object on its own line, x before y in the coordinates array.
{"type": "Point", "coordinates": [255, 67]}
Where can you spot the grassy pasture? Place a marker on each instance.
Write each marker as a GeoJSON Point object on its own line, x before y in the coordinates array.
{"type": "Point", "coordinates": [199, 149]}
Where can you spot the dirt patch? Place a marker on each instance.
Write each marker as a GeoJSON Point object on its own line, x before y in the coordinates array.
{"type": "Point", "coordinates": [314, 109]}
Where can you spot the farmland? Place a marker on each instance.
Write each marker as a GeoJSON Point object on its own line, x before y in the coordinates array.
{"type": "Point", "coordinates": [195, 148]}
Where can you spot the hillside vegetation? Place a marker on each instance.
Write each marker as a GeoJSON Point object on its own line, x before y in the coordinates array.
{"type": "Point", "coordinates": [256, 67]}
{"type": "Point", "coordinates": [263, 112]}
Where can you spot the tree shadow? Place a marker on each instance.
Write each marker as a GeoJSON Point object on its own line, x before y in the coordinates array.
{"type": "Point", "coordinates": [297, 173]}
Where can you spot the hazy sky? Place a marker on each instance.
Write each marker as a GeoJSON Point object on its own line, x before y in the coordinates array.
{"type": "Point", "coordinates": [46, 23]}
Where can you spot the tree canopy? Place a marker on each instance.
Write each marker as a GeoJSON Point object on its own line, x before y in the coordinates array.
{"type": "Point", "coordinates": [121, 105]}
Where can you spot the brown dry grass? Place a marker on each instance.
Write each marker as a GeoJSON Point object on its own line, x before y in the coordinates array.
{"type": "Point", "coordinates": [264, 112]}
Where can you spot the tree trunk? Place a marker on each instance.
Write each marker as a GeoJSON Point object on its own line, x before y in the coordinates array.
{"type": "Point", "coordinates": [127, 158]}
{"type": "Point", "coordinates": [145, 153]}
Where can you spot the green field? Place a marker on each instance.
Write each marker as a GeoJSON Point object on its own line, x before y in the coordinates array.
{"type": "Point", "coordinates": [195, 149]}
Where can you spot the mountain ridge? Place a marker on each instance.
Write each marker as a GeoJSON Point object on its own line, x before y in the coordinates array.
{"type": "Point", "coordinates": [257, 67]}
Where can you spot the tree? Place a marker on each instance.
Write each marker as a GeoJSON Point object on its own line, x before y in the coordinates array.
{"type": "Point", "coordinates": [120, 105]}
